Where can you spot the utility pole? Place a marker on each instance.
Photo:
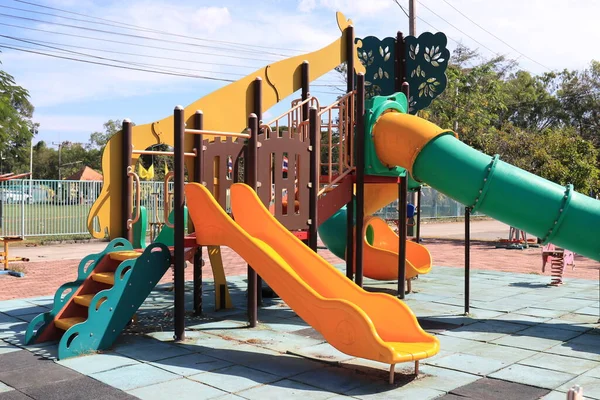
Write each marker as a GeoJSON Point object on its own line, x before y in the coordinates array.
{"type": "Point", "coordinates": [412, 17]}
{"type": "Point", "coordinates": [412, 31]}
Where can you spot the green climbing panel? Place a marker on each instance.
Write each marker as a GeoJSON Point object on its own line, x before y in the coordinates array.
{"type": "Point", "coordinates": [110, 310]}
{"type": "Point", "coordinates": [66, 291]}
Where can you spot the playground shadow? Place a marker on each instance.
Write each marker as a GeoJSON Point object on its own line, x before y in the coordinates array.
{"type": "Point", "coordinates": [531, 285]}
{"type": "Point", "coordinates": [283, 371]}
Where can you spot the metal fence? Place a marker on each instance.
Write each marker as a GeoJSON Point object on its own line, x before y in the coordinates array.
{"type": "Point", "coordinates": [60, 208]}
{"type": "Point", "coordinates": [433, 205]}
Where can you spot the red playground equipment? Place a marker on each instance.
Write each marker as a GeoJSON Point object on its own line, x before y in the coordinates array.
{"type": "Point", "coordinates": [559, 259]}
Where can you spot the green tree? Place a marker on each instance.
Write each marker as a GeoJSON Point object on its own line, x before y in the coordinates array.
{"type": "Point", "coordinates": [16, 125]}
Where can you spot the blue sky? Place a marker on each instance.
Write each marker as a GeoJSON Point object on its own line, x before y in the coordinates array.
{"type": "Point", "coordinates": [73, 99]}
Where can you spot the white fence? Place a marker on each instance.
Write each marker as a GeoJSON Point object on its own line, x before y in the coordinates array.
{"type": "Point", "coordinates": [60, 208]}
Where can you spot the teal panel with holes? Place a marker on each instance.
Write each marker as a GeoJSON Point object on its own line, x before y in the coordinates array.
{"type": "Point", "coordinates": [377, 56]}
{"type": "Point", "coordinates": [66, 291]}
{"type": "Point", "coordinates": [110, 310]}
{"type": "Point", "coordinates": [426, 63]}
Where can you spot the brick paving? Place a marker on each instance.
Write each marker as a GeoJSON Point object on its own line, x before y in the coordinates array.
{"type": "Point", "coordinates": [43, 278]}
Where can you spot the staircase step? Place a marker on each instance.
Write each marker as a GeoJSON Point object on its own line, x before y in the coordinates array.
{"type": "Point", "coordinates": [66, 323]}
{"type": "Point", "coordinates": [84, 299]}
{"type": "Point", "coordinates": [124, 255]}
{"type": "Point", "coordinates": [104, 277]}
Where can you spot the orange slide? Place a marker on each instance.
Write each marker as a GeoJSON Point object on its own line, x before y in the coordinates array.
{"type": "Point", "coordinates": [374, 326]}
{"type": "Point", "coordinates": [380, 253]}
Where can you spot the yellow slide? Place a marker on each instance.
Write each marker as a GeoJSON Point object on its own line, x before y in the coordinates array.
{"type": "Point", "coordinates": [374, 326]}
{"type": "Point", "coordinates": [380, 252]}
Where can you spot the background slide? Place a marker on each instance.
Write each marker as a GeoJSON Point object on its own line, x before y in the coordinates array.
{"type": "Point", "coordinates": [509, 194]}
{"type": "Point", "coordinates": [374, 326]}
{"type": "Point", "coordinates": [380, 243]}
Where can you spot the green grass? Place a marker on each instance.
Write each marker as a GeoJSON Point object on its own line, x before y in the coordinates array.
{"type": "Point", "coordinates": [45, 220]}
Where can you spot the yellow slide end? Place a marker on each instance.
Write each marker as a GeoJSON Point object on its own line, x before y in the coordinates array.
{"type": "Point", "coordinates": [380, 254]}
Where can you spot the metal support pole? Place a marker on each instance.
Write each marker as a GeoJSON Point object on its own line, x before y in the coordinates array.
{"type": "Point", "coordinates": [467, 257]}
{"type": "Point", "coordinates": [126, 189]}
{"type": "Point", "coordinates": [360, 177]}
{"type": "Point", "coordinates": [398, 62]}
{"type": "Point", "coordinates": [258, 111]}
{"type": "Point", "coordinates": [305, 88]}
{"type": "Point", "coordinates": [350, 83]}
{"type": "Point", "coordinates": [418, 220]}
{"type": "Point", "coordinates": [313, 127]}
{"type": "Point", "coordinates": [402, 200]}
{"type": "Point", "coordinates": [250, 166]}
{"type": "Point", "coordinates": [198, 178]}
{"type": "Point", "coordinates": [179, 223]}
{"type": "Point", "coordinates": [350, 59]}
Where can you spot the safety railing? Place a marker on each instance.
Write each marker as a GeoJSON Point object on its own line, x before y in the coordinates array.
{"type": "Point", "coordinates": [337, 132]}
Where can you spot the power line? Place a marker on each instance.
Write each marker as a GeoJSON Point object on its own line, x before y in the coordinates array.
{"type": "Point", "coordinates": [458, 29]}
{"type": "Point", "coordinates": [130, 44]}
{"type": "Point", "coordinates": [429, 24]}
{"type": "Point", "coordinates": [125, 34]}
{"type": "Point", "coordinates": [237, 48]}
{"type": "Point", "coordinates": [136, 27]}
{"type": "Point", "coordinates": [402, 8]}
{"type": "Point", "coordinates": [133, 54]}
{"type": "Point", "coordinates": [160, 67]}
{"type": "Point", "coordinates": [490, 33]}
{"type": "Point", "coordinates": [114, 66]}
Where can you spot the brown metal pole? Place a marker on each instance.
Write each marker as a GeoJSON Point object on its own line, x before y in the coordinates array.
{"type": "Point", "coordinates": [305, 88]}
{"type": "Point", "coordinates": [399, 77]}
{"type": "Point", "coordinates": [126, 189]}
{"type": "Point", "coordinates": [198, 178]}
{"type": "Point", "coordinates": [314, 128]}
{"type": "Point", "coordinates": [350, 77]}
{"type": "Point", "coordinates": [402, 200]}
{"type": "Point", "coordinates": [258, 111]}
{"type": "Point", "coordinates": [179, 229]}
{"type": "Point", "coordinates": [467, 258]}
{"type": "Point", "coordinates": [360, 177]}
{"type": "Point", "coordinates": [250, 171]}
{"type": "Point", "coordinates": [418, 219]}
{"type": "Point", "coordinates": [350, 83]}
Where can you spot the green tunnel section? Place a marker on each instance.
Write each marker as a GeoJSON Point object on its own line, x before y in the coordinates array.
{"type": "Point", "coordinates": [509, 194]}
{"type": "Point", "coordinates": [333, 231]}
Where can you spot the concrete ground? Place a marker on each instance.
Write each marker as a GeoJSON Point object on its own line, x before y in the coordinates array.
{"type": "Point", "coordinates": [522, 340]}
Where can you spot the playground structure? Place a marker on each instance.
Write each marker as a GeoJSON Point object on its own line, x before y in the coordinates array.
{"type": "Point", "coordinates": [383, 151]}
{"type": "Point", "coordinates": [517, 239]}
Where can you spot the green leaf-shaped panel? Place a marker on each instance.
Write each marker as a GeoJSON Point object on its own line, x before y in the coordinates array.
{"type": "Point", "coordinates": [378, 58]}
{"type": "Point", "coordinates": [426, 63]}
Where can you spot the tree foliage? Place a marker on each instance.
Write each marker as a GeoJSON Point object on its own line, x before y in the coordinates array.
{"type": "Point", "coordinates": [16, 125]}
{"type": "Point", "coordinates": [546, 124]}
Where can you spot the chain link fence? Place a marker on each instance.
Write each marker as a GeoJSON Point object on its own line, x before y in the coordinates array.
{"type": "Point", "coordinates": [433, 205]}
{"type": "Point", "coordinates": [36, 207]}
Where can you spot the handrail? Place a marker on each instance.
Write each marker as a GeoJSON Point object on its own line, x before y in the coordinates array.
{"type": "Point", "coordinates": [336, 180]}
{"type": "Point", "coordinates": [298, 105]}
{"type": "Point", "coordinates": [136, 178]}
{"type": "Point", "coordinates": [218, 133]}
{"type": "Point", "coordinates": [336, 103]}
{"type": "Point", "coordinates": [166, 208]}
{"type": "Point", "coordinates": [163, 153]}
